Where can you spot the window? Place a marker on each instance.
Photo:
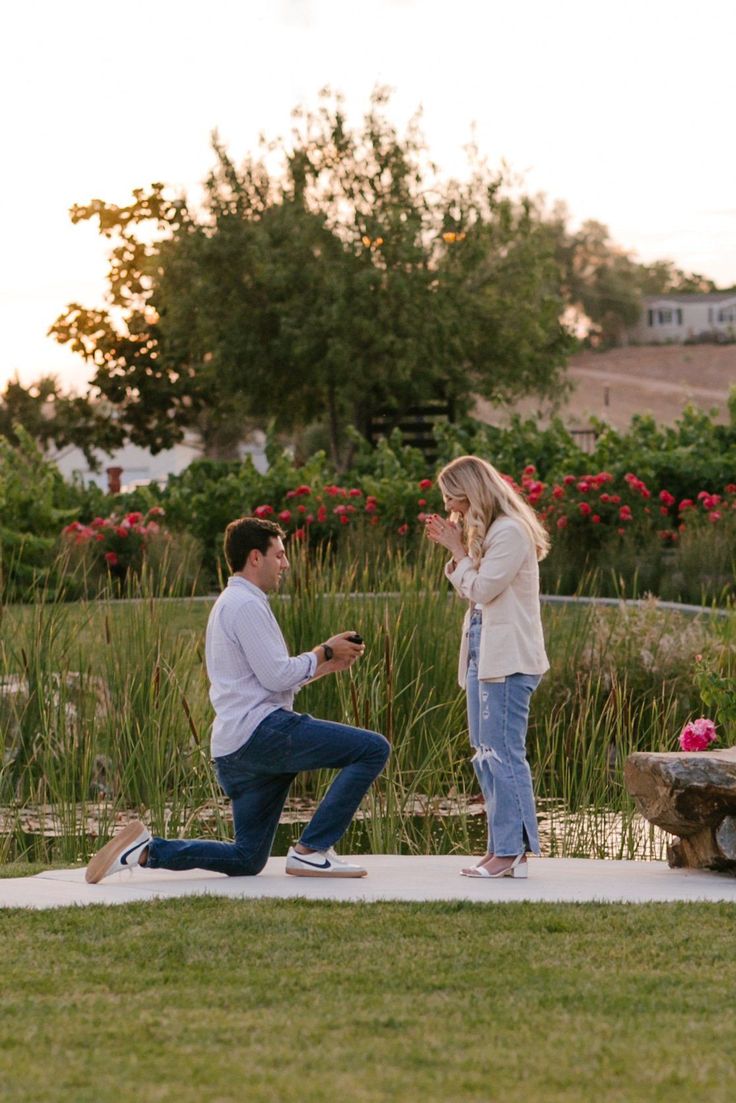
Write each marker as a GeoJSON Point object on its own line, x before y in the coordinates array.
{"type": "Point", "coordinates": [664, 317]}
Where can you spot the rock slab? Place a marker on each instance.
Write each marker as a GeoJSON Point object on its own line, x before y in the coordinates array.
{"type": "Point", "coordinates": [691, 794]}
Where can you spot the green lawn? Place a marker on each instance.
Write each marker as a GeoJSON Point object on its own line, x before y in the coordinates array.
{"type": "Point", "coordinates": [278, 1001]}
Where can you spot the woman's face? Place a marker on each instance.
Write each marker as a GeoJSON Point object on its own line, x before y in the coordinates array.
{"type": "Point", "coordinates": [455, 505]}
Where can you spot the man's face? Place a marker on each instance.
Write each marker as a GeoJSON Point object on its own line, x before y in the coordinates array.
{"type": "Point", "coordinates": [272, 565]}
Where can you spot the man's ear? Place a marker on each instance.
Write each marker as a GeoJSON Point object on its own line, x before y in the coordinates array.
{"type": "Point", "coordinates": [254, 558]}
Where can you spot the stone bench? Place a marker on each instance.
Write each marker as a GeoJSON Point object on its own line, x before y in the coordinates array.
{"type": "Point", "coordinates": [691, 794]}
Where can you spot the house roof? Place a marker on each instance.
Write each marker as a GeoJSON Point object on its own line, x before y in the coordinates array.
{"type": "Point", "coordinates": [691, 297]}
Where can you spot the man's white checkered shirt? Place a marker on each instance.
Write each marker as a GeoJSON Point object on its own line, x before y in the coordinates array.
{"type": "Point", "coordinates": [248, 664]}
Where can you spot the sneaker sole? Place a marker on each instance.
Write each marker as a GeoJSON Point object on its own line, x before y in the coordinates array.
{"type": "Point", "coordinates": [111, 851]}
{"type": "Point", "coordinates": [324, 873]}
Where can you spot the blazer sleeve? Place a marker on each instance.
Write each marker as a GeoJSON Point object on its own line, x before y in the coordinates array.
{"type": "Point", "coordinates": [499, 566]}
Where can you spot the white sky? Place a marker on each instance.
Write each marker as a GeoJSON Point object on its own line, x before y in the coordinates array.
{"type": "Point", "coordinates": [621, 108]}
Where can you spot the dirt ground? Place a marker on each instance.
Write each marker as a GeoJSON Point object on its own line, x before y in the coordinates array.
{"type": "Point", "coordinates": [615, 385]}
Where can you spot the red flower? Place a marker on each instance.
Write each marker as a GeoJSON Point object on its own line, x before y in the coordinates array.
{"type": "Point", "coordinates": [421, 501]}
{"type": "Point", "coordinates": [371, 505]}
{"type": "Point", "coordinates": [303, 489]}
{"type": "Point", "coordinates": [686, 503]}
{"type": "Point", "coordinates": [425, 484]}
{"type": "Point", "coordinates": [569, 479]}
{"type": "Point", "coordinates": [625, 513]}
{"type": "Point", "coordinates": [562, 522]}
{"type": "Point", "coordinates": [344, 519]}
{"type": "Point", "coordinates": [558, 492]}
{"type": "Point", "coordinates": [322, 513]}
{"type": "Point", "coordinates": [156, 511]}
{"type": "Point", "coordinates": [134, 518]}
{"type": "Point", "coordinates": [530, 469]}
{"type": "Point", "coordinates": [285, 516]}
{"type": "Point", "coordinates": [299, 534]}
{"type": "Point", "coordinates": [262, 511]}
{"type": "Point", "coordinates": [403, 529]}
{"type": "Point", "coordinates": [354, 492]}
{"type": "Point", "coordinates": [666, 498]}
{"type": "Point", "coordinates": [584, 508]}
{"type": "Point", "coordinates": [122, 530]}
{"type": "Point", "coordinates": [714, 516]}
{"type": "Point", "coordinates": [596, 519]}
{"type": "Point", "coordinates": [111, 558]}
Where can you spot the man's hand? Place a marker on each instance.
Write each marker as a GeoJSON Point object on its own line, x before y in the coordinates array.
{"type": "Point", "coordinates": [344, 653]}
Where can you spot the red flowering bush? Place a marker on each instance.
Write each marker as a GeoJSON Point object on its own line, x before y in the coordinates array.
{"type": "Point", "coordinates": [116, 544]}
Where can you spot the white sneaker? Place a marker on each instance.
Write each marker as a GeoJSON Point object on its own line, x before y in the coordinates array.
{"type": "Point", "coordinates": [321, 863]}
{"type": "Point", "coordinates": [122, 852]}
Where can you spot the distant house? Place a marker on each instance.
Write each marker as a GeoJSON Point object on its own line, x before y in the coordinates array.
{"type": "Point", "coordinates": [681, 317]}
{"type": "Point", "coordinates": [132, 466]}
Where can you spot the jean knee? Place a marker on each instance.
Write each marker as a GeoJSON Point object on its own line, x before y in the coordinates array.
{"type": "Point", "coordinates": [379, 748]}
{"type": "Point", "coordinates": [246, 865]}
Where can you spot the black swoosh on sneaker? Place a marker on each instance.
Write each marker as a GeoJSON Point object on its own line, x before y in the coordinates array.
{"type": "Point", "coordinates": [313, 865]}
{"type": "Point", "coordinates": [130, 851]}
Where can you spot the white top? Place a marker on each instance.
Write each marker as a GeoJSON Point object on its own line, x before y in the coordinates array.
{"type": "Point", "coordinates": [506, 586]}
{"type": "Point", "coordinates": [248, 665]}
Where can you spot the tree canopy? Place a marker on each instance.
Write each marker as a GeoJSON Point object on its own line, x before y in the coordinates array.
{"type": "Point", "coordinates": [336, 276]}
{"type": "Point", "coordinates": [347, 281]}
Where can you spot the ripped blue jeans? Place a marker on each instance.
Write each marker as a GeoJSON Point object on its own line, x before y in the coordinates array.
{"type": "Point", "coordinates": [498, 714]}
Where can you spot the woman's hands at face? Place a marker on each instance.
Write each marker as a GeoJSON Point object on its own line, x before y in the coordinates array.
{"type": "Point", "coordinates": [441, 531]}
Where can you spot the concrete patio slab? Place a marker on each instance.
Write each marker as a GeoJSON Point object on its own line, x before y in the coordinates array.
{"type": "Point", "coordinates": [390, 877]}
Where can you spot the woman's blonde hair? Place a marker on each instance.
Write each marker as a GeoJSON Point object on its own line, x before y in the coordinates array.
{"type": "Point", "coordinates": [489, 495]}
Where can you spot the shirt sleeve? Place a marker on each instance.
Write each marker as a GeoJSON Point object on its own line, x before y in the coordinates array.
{"type": "Point", "coordinates": [498, 567]}
{"type": "Point", "coordinates": [257, 631]}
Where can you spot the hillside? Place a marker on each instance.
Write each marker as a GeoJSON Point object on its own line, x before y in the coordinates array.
{"type": "Point", "coordinates": [658, 380]}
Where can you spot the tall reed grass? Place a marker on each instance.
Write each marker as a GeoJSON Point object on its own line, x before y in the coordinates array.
{"type": "Point", "coordinates": [104, 711]}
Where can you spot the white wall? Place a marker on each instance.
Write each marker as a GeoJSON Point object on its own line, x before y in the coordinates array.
{"type": "Point", "coordinates": [701, 316]}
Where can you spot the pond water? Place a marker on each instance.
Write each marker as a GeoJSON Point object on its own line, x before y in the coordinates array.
{"type": "Point", "coordinates": [39, 835]}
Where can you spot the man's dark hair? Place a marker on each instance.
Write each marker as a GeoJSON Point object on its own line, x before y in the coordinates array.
{"type": "Point", "coordinates": [245, 535]}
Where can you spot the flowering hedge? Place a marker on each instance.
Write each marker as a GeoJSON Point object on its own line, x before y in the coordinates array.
{"type": "Point", "coordinates": [117, 544]}
{"type": "Point", "coordinates": [588, 507]}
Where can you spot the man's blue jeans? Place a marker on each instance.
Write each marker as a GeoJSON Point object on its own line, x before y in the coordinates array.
{"type": "Point", "coordinates": [498, 715]}
{"type": "Point", "coordinates": [257, 778]}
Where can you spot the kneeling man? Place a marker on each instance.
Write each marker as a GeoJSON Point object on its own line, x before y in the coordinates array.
{"type": "Point", "coordinates": [259, 744]}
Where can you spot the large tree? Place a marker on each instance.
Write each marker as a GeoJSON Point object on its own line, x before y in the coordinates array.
{"type": "Point", "coordinates": [348, 281]}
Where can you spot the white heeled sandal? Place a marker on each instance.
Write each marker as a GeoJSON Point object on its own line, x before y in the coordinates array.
{"type": "Point", "coordinates": [518, 868]}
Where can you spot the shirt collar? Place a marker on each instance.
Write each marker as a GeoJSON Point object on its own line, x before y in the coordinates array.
{"type": "Point", "coordinates": [238, 580]}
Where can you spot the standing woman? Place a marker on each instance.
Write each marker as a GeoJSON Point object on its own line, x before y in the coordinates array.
{"type": "Point", "coordinates": [496, 540]}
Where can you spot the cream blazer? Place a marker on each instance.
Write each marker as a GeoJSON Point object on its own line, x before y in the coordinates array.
{"type": "Point", "coordinates": [506, 585]}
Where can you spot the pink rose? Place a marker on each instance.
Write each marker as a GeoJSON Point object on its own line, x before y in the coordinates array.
{"type": "Point", "coordinates": [697, 735]}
